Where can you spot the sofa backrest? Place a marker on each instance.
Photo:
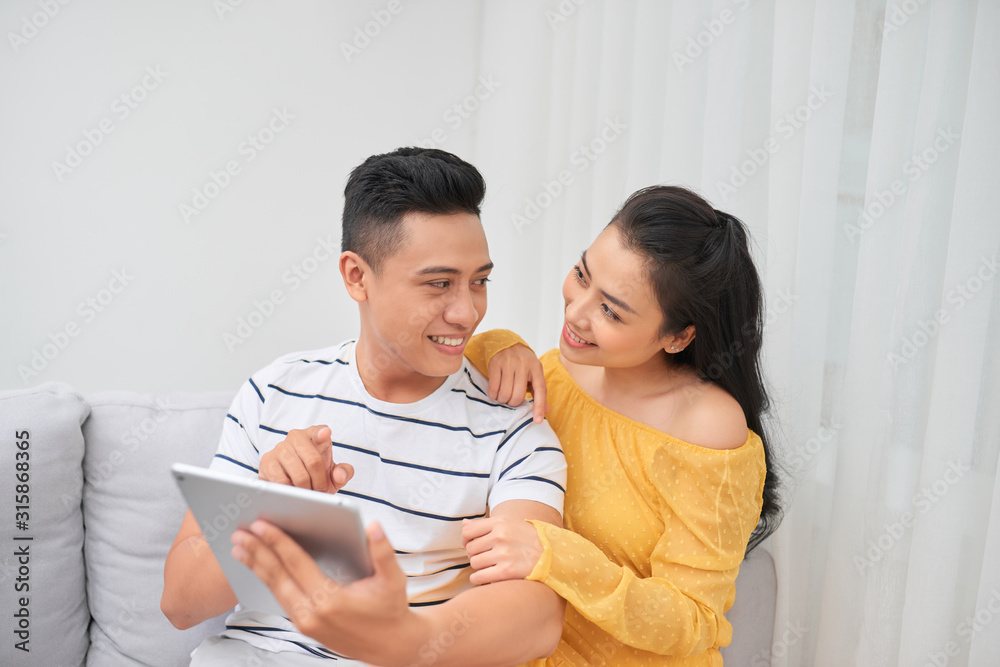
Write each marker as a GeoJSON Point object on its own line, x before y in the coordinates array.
{"type": "Point", "coordinates": [43, 602]}
{"type": "Point", "coordinates": [132, 510]}
{"type": "Point", "coordinates": [102, 515]}
{"type": "Point", "coordinates": [752, 614]}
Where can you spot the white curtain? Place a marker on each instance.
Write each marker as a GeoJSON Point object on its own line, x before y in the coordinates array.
{"type": "Point", "coordinates": [858, 141]}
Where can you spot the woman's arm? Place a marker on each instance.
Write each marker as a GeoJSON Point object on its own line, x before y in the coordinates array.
{"type": "Point", "coordinates": [678, 610]}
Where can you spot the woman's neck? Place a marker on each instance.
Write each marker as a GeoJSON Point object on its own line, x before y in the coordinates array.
{"type": "Point", "coordinates": [656, 377]}
{"type": "Point", "coordinates": [618, 386]}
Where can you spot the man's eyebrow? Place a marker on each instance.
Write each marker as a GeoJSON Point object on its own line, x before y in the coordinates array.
{"type": "Point", "coordinates": [615, 300]}
{"type": "Point", "coordinates": [451, 270]}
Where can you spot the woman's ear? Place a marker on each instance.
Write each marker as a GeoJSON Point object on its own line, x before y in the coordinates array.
{"type": "Point", "coordinates": [679, 341]}
{"type": "Point", "coordinates": [355, 272]}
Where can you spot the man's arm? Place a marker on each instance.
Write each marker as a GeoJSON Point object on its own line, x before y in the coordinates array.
{"type": "Point", "coordinates": [194, 587]}
{"type": "Point", "coordinates": [505, 623]}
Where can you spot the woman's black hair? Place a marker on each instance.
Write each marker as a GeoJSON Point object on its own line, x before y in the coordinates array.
{"type": "Point", "coordinates": [702, 273]}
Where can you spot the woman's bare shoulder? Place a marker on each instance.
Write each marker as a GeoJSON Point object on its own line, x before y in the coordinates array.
{"type": "Point", "coordinates": [709, 416]}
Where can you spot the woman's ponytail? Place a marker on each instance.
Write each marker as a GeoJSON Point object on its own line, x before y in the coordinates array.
{"type": "Point", "coordinates": [703, 274]}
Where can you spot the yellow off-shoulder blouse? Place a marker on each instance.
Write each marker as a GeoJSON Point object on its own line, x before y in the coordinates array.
{"type": "Point", "coordinates": [655, 531]}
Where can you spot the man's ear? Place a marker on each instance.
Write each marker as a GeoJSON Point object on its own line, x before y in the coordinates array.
{"type": "Point", "coordinates": [356, 274]}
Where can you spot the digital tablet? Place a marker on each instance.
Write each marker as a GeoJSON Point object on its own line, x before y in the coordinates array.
{"type": "Point", "coordinates": [327, 526]}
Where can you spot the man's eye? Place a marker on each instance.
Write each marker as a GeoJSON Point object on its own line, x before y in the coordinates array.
{"type": "Point", "coordinates": [482, 281]}
{"type": "Point", "coordinates": [441, 283]}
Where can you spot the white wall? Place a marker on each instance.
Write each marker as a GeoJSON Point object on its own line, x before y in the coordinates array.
{"type": "Point", "coordinates": [66, 232]}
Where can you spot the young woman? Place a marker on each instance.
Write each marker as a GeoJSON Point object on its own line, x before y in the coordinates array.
{"type": "Point", "coordinates": [657, 398]}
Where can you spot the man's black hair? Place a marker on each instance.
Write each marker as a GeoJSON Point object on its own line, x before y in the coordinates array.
{"type": "Point", "coordinates": [384, 188]}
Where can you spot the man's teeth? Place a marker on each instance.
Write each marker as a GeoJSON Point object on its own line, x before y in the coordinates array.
{"type": "Point", "coordinates": [576, 338]}
{"type": "Point", "coordinates": [450, 342]}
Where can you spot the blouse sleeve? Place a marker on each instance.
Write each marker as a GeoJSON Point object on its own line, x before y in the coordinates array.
{"type": "Point", "coordinates": [483, 346]}
{"type": "Point", "coordinates": [678, 611]}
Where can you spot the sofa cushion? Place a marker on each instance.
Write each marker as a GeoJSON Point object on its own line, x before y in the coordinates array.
{"type": "Point", "coordinates": [42, 442]}
{"type": "Point", "coordinates": [752, 613]}
{"type": "Point", "coordinates": [132, 510]}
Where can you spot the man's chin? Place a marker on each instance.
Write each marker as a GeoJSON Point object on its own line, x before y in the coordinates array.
{"type": "Point", "coordinates": [442, 368]}
{"type": "Point", "coordinates": [452, 366]}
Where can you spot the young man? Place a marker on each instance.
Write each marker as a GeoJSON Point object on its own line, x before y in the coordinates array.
{"type": "Point", "coordinates": [400, 422]}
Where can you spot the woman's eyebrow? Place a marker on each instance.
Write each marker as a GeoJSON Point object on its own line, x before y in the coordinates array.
{"type": "Point", "coordinates": [618, 302]}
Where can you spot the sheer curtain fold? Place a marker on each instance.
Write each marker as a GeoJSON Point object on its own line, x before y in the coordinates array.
{"type": "Point", "coordinates": [858, 141]}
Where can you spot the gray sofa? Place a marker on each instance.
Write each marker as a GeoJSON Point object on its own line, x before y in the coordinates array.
{"type": "Point", "coordinates": [90, 510]}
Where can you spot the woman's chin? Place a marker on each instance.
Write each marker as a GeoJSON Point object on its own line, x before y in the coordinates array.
{"type": "Point", "coordinates": [577, 355]}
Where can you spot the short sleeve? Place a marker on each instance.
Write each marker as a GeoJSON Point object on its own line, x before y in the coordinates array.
{"type": "Point", "coordinates": [237, 453]}
{"type": "Point", "coordinates": [529, 464]}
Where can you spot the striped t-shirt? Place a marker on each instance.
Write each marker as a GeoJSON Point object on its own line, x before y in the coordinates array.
{"type": "Point", "coordinates": [420, 468]}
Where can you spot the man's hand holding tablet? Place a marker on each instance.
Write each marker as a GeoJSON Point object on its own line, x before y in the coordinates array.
{"type": "Point", "coordinates": [369, 617]}
{"type": "Point", "coordinates": [305, 459]}
{"type": "Point", "coordinates": [326, 527]}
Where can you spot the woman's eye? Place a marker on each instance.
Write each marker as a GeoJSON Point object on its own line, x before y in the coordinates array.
{"type": "Point", "coordinates": [579, 273]}
{"type": "Point", "coordinates": [610, 314]}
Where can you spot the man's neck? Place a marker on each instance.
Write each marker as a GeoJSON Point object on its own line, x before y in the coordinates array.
{"type": "Point", "coordinates": [392, 382]}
